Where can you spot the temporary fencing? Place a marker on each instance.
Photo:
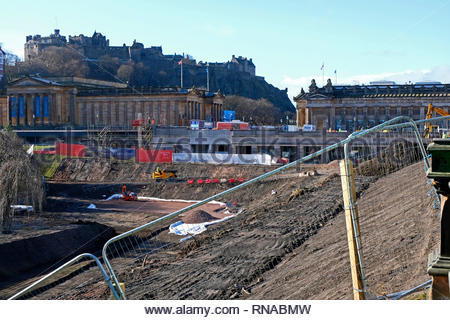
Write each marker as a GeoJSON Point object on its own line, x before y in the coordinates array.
{"type": "Point", "coordinates": [78, 278]}
{"type": "Point", "coordinates": [393, 212]}
{"type": "Point", "coordinates": [154, 264]}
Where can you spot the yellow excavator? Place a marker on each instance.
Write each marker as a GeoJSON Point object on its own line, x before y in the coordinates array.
{"type": "Point", "coordinates": [159, 174]}
{"type": "Point", "coordinates": [428, 126]}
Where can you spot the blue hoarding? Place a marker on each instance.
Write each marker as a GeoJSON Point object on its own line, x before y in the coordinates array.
{"type": "Point", "coordinates": [45, 107]}
{"type": "Point", "coordinates": [37, 107]}
{"type": "Point", "coordinates": [229, 115]}
{"type": "Point", "coordinates": [21, 107]}
{"type": "Point", "coordinates": [13, 107]}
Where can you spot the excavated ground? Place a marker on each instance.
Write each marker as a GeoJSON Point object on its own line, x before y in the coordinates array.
{"type": "Point", "coordinates": [288, 243]}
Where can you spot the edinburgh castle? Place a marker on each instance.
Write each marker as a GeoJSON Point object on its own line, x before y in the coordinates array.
{"type": "Point", "coordinates": [155, 69]}
{"type": "Point", "coordinates": [92, 48]}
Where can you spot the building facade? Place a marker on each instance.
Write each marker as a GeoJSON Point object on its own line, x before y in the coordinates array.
{"type": "Point", "coordinates": [361, 106]}
{"type": "Point", "coordinates": [80, 102]}
{"type": "Point", "coordinates": [2, 66]}
{"type": "Point", "coordinates": [4, 116]}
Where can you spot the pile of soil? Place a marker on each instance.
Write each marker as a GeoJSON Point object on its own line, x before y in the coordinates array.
{"type": "Point", "coordinates": [198, 216]}
{"type": "Point", "coordinates": [333, 164]}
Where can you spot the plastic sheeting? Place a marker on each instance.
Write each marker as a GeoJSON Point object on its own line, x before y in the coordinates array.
{"type": "Point", "coordinates": [183, 229]}
{"type": "Point", "coordinates": [223, 158]}
{"type": "Point", "coordinates": [20, 207]}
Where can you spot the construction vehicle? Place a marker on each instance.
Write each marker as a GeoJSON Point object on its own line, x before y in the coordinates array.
{"type": "Point", "coordinates": [428, 126]}
{"type": "Point", "coordinates": [128, 196]}
{"type": "Point", "coordinates": [159, 174]}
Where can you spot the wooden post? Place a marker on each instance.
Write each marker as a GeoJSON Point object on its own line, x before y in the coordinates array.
{"type": "Point", "coordinates": [122, 286]}
{"type": "Point", "coordinates": [348, 195]}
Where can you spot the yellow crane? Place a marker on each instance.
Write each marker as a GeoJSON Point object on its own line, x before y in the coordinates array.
{"type": "Point", "coordinates": [428, 126]}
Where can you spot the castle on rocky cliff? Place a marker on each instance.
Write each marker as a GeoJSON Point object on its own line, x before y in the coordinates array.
{"type": "Point", "coordinates": [92, 48]}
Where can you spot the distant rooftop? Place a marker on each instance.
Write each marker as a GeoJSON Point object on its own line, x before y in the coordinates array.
{"type": "Point", "coordinates": [375, 89]}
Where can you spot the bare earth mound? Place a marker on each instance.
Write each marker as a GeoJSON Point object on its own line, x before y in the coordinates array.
{"type": "Point", "coordinates": [198, 216]}
{"type": "Point", "coordinates": [399, 229]}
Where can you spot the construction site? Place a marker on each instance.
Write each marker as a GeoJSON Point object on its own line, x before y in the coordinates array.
{"type": "Point", "coordinates": [277, 231]}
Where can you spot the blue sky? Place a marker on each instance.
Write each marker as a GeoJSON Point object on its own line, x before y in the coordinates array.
{"type": "Point", "coordinates": [288, 40]}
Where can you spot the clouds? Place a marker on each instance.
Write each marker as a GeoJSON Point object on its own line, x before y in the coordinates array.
{"type": "Point", "coordinates": [437, 73]}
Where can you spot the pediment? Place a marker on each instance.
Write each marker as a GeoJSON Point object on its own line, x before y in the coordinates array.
{"type": "Point", "coordinates": [318, 96]}
{"type": "Point", "coordinates": [32, 82]}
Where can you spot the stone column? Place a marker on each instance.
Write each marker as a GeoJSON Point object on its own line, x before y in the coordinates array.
{"type": "Point", "coordinates": [332, 120]}
{"type": "Point", "coordinates": [107, 112]}
{"type": "Point", "coordinates": [188, 111]}
{"type": "Point", "coordinates": [365, 120]}
{"type": "Point", "coordinates": [81, 114]}
{"type": "Point", "coordinates": [72, 98]}
{"type": "Point", "coordinates": [52, 109]}
{"type": "Point", "coordinates": [377, 115]}
{"type": "Point", "coordinates": [168, 111]}
{"type": "Point", "coordinates": [154, 108]}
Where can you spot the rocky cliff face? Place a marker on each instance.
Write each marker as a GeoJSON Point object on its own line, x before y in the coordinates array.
{"type": "Point", "coordinates": [163, 73]}
{"type": "Point", "coordinates": [254, 88]}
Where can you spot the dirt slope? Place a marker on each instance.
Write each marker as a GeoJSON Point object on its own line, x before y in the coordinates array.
{"type": "Point", "coordinates": [102, 170]}
{"type": "Point", "coordinates": [399, 229]}
{"type": "Point", "coordinates": [237, 254]}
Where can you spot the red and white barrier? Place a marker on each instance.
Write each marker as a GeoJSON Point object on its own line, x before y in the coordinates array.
{"type": "Point", "coordinates": [210, 181]}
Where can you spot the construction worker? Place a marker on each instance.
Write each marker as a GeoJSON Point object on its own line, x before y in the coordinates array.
{"type": "Point", "coordinates": [444, 135]}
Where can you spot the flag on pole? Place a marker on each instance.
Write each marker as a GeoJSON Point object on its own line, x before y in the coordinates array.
{"type": "Point", "coordinates": [334, 71]}
{"type": "Point", "coordinates": [323, 65]}
{"type": "Point", "coordinates": [180, 62]}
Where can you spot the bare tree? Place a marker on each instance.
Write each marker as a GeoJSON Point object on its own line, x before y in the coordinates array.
{"type": "Point", "coordinates": [56, 61]}
{"type": "Point", "coordinates": [125, 72]}
{"type": "Point", "coordinates": [20, 178]}
{"type": "Point", "coordinates": [261, 111]}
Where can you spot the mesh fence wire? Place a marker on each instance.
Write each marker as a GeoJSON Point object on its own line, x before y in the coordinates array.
{"type": "Point", "coordinates": [397, 213]}
{"type": "Point", "coordinates": [261, 225]}
{"type": "Point", "coordinates": [81, 279]}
